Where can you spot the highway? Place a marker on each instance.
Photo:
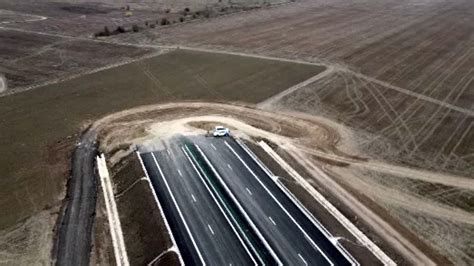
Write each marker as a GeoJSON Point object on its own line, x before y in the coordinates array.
{"type": "Point", "coordinates": [203, 227]}
{"type": "Point", "coordinates": [203, 232]}
{"type": "Point", "coordinates": [296, 240]}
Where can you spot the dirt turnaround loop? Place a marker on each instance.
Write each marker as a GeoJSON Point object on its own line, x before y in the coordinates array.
{"type": "Point", "coordinates": [319, 141]}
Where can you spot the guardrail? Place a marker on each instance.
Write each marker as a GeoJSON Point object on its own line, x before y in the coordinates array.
{"type": "Point", "coordinates": [116, 233]}
{"type": "Point", "coordinates": [356, 232]}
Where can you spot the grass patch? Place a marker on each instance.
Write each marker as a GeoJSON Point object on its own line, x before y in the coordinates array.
{"type": "Point", "coordinates": [32, 121]}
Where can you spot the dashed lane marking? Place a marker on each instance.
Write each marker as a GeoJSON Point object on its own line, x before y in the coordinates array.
{"type": "Point", "coordinates": [210, 229]}
{"type": "Point", "coordinates": [248, 190]}
{"type": "Point", "coordinates": [271, 220]}
{"type": "Point", "coordinates": [301, 257]}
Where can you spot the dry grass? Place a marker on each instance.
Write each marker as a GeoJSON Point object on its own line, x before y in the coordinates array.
{"type": "Point", "coordinates": [35, 169]}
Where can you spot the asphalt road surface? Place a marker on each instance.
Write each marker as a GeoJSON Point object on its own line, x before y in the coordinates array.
{"type": "Point", "coordinates": [294, 238]}
{"type": "Point", "coordinates": [201, 227]}
{"type": "Point", "coordinates": [202, 231]}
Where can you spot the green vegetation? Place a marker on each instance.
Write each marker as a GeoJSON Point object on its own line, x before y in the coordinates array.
{"type": "Point", "coordinates": [35, 123]}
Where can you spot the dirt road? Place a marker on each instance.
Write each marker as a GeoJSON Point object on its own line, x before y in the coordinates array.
{"type": "Point", "coordinates": [75, 227]}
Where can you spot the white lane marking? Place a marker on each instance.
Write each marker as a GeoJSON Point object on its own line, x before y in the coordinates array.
{"type": "Point", "coordinates": [168, 228]}
{"type": "Point", "coordinates": [239, 206]}
{"type": "Point", "coordinates": [279, 204]}
{"type": "Point", "coordinates": [179, 172]}
{"type": "Point", "coordinates": [210, 229]}
{"type": "Point", "coordinates": [222, 210]}
{"type": "Point", "coordinates": [301, 257]}
{"type": "Point", "coordinates": [230, 167]}
{"type": "Point", "coordinates": [179, 210]}
{"type": "Point", "coordinates": [194, 198]}
{"type": "Point", "coordinates": [271, 220]}
{"type": "Point", "coordinates": [214, 147]}
{"type": "Point", "coordinates": [248, 190]}
{"type": "Point", "coordinates": [300, 206]}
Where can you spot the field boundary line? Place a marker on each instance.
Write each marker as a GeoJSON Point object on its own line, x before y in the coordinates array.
{"type": "Point", "coordinates": [275, 98]}
{"type": "Point", "coordinates": [37, 17]}
{"type": "Point", "coordinates": [410, 93]}
{"type": "Point", "coordinates": [121, 257]}
{"type": "Point", "coordinates": [329, 66]}
{"type": "Point", "coordinates": [87, 72]}
{"type": "Point", "coordinates": [384, 258]}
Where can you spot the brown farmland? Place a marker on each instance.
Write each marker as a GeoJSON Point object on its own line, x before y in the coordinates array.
{"type": "Point", "coordinates": [400, 72]}
{"type": "Point", "coordinates": [39, 120]}
{"type": "Point", "coordinates": [30, 59]}
{"type": "Point", "coordinates": [424, 47]}
{"type": "Point", "coordinates": [399, 127]}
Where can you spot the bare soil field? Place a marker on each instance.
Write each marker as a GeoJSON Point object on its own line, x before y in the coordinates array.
{"type": "Point", "coordinates": [400, 73]}
{"type": "Point", "coordinates": [421, 46]}
{"type": "Point", "coordinates": [403, 70]}
{"type": "Point", "coordinates": [392, 125]}
{"type": "Point", "coordinates": [42, 123]}
{"type": "Point", "coordinates": [30, 59]}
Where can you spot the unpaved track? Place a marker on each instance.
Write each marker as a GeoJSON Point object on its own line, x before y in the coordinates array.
{"type": "Point", "coordinates": [385, 230]}
{"type": "Point", "coordinates": [239, 118]}
{"type": "Point", "coordinates": [74, 245]}
{"type": "Point", "coordinates": [274, 99]}
{"type": "Point", "coordinates": [416, 174]}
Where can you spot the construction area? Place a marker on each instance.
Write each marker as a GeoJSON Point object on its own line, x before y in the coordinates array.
{"type": "Point", "coordinates": [364, 110]}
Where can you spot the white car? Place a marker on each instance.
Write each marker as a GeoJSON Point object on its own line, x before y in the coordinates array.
{"type": "Point", "coordinates": [220, 131]}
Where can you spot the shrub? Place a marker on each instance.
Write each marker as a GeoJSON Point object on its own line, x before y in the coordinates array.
{"type": "Point", "coordinates": [120, 29]}
{"type": "Point", "coordinates": [164, 21]}
{"type": "Point", "coordinates": [181, 19]}
{"type": "Point", "coordinates": [186, 10]}
{"type": "Point", "coordinates": [102, 33]}
{"type": "Point", "coordinates": [135, 28]}
{"type": "Point", "coordinates": [152, 26]}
